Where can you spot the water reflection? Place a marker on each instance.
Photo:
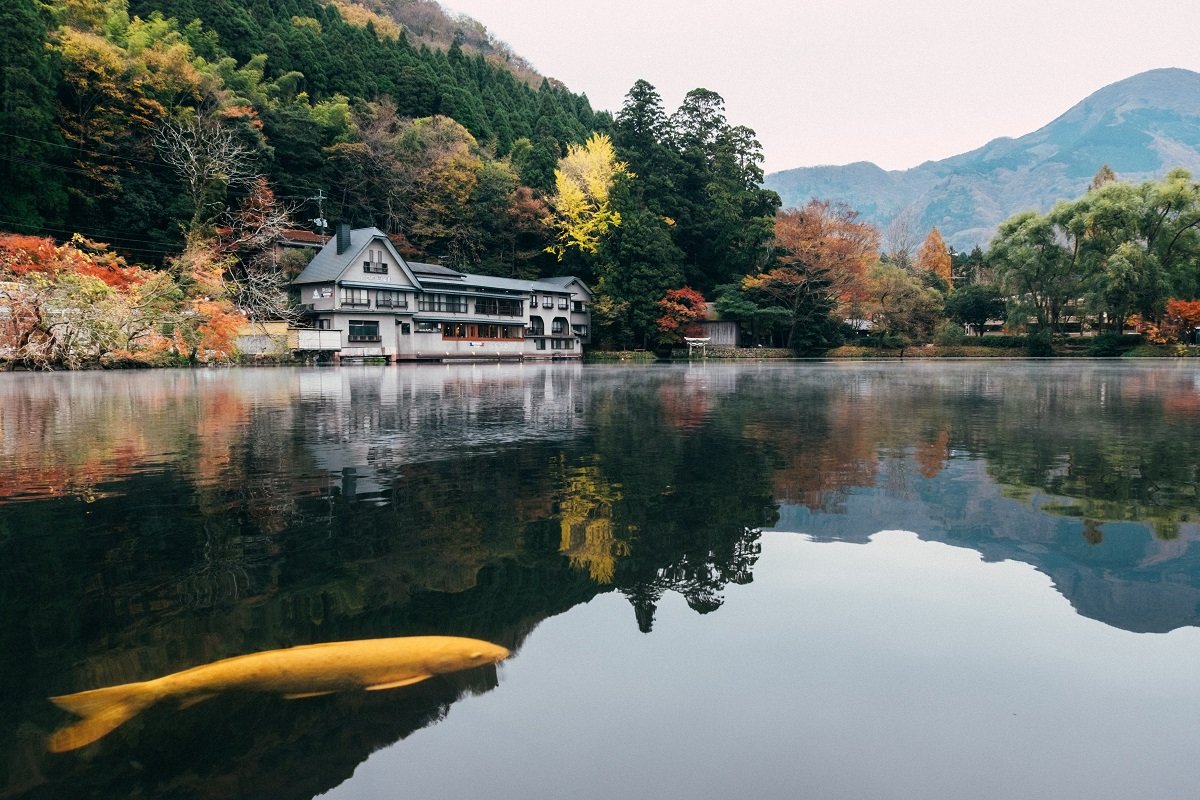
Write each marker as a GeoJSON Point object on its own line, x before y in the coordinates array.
{"type": "Point", "coordinates": [154, 522]}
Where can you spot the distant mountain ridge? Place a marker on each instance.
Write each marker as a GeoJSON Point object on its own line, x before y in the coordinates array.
{"type": "Point", "coordinates": [1142, 127]}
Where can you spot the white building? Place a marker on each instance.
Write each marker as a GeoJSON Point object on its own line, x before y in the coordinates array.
{"type": "Point", "coordinates": [381, 305]}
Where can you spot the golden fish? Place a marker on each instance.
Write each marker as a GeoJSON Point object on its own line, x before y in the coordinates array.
{"type": "Point", "coordinates": [304, 671]}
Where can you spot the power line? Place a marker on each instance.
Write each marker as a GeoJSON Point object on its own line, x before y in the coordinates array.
{"type": "Point", "coordinates": [155, 164]}
{"type": "Point", "coordinates": [109, 238]}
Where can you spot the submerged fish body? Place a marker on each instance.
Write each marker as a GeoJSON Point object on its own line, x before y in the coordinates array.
{"type": "Point", "coordinates": [303, 671]}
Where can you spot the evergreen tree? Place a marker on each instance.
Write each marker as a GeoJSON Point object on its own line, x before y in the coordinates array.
{"type": "Point", "coordinates": [33, 194]}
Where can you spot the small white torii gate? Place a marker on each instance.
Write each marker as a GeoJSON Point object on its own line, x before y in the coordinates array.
{"type": "Point", "coordinates": [694, 342]}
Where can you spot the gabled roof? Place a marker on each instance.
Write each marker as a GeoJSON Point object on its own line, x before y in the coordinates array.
{"type": "Point", "coordinates": [328, 264]}
{"type": "Point", "coordinates": [561, 282]}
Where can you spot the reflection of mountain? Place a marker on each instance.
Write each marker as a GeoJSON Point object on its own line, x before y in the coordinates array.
{"type": "Point", "coordinates": [1134, 581]}
{"type": "Point", "coordinates": [152, 522]}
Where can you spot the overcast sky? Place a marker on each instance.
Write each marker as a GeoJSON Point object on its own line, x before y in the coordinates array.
{"type": "Point", "coordinates": [896, 82]}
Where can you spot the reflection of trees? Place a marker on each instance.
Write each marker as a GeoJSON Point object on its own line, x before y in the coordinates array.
{"type": "Point", "coordinates": [232, 527]}
{"type": "Point", "coordinates": [1106, 445]}
{"type": "Point", "coordinates": [692, 494]}
{"type": "Point", "coordinates": [585, 519]}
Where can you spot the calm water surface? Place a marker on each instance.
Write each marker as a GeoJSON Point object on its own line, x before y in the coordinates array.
{"type": "Point", "coordinates": [923, 580]}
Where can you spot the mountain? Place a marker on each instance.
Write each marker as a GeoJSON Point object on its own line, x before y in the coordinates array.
{"type": "Point", "coordinates": [1142, 127]}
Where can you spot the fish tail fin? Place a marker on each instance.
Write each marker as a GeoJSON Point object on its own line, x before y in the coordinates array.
{"type": "Point", "coordinates": [102, 711]}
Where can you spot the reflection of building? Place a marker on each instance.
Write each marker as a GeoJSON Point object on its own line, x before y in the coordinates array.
{"type": "Point", "coordinates": [381, 305]}
{"type": "Point", "coordinates": [368, 424]}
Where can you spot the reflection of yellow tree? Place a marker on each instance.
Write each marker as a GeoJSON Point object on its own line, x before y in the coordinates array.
{"type": "Point", "coordinates": [585, 517]}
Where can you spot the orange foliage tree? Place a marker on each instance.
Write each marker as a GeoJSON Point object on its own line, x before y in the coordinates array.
{"type": "Point", "coordinates": [77, 303]}
{"type": "Point", "coordinates": [934, 257]}
{"type": "Point", "coordinates": [1179, 323]}
{"type": "Point", "coordinates": [681, 310]}
{"type": "Point", "coordinates": [828, 242]}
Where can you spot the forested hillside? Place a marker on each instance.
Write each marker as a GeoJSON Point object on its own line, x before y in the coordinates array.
{"type": "Point", "coordinates": [183, 134]}
{"type": "Point", "coordinates": [310, 97]}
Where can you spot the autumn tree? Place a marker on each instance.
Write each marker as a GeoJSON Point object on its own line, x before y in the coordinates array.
{"type": "Point", "coordinates": [256, 283]}
{"type": "Point", "coordinates": [681, 310]}
{"type": "Point", "coordinates": [822, 254]}
{"type": "Point", "coordinates": [582, 212]}
{"type": "Point", "coordinates": [899, 305]}
{"type": "Point", "coordinates": [78, 303]}
{"type": "Point", "coordinates": [934, 257]}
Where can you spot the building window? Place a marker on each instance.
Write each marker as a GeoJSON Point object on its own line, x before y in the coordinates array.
{"type": "Point", "coordinates": [579, 330]}
{"type": "Point", "coordinates": [364, 331]}
{"type": "Point", "coordinates": [355, 297]}
{"type": "Point", "coordinates": [442, 302]}
{"type": "Point", "coordinates": [537, 327]}
{"type": "Point", "coordinates": [375, 265]}
{"type": "Point", "coordinates": [577, 306]}
{"type": "Point", "coordinates": [562, 344]}
{"type": "Point", "coordinates": [322, 324]}
{"type": "Point", "coordinates": [480, 330]}
{"type": "Point", "coordinates": [389, 299]}
{"type": "Point", "coordinates": [547, 301]}
{"type": "Point", "coordinates": [563, 303]}
{"type": "Point", "coordinates": [501, 308]}
{"type": "Point", "coordinates": [559, 325]}
{"type": "Point", "coordinates": [539, 344]}
{"type": "Point", "coordinates": [428, 327]}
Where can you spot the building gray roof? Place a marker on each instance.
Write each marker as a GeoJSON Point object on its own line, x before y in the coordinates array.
{"type": "Point", "coordinates": [433, 269]}
{"type": "Point", "coordinates": [327, 264]}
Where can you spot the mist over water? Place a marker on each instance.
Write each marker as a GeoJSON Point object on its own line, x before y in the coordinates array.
{"type": "Point", "coordinates": [835, 580]}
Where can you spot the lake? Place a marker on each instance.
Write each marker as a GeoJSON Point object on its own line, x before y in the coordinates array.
{"type": "Point", "coordinates": [829, 580]}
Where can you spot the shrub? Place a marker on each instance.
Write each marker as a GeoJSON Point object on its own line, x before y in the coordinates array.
{"type": "Point", "coordinates": [949, 333]}
{"type": "Point", "coordinates": [1039, 344]}
{"type": "Point", "coordinates": [1112, 345]}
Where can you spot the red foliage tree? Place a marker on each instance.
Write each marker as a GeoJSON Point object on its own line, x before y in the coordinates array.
{"type": "Point", "coordinates": [681, 310]}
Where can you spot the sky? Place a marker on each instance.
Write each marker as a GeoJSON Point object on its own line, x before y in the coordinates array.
{"type": "Point", "coordinates": [896, 82]}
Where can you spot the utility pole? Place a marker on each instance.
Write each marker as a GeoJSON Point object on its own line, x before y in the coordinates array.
{"type": "Point", "coordinates": [320, 220]}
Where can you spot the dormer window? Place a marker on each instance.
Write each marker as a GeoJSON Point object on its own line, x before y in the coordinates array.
{"type": "Point", "coordinates": [374, 263]}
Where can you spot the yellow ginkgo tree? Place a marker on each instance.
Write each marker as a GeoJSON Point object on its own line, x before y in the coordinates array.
{"type": "Point", "coordinates": [582, 212]}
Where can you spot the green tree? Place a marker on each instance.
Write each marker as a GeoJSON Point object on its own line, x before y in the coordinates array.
{"type": "Point", "coordinates": [974, 305]}
{"type": "Point", "coordinates": [899, 305]}
{"type": "Point", "coordinates": [636, 264]}
{"type": "Point", "coordinates": [29, 141]}
{"type": "Point", "coordinates": [1035, 269]}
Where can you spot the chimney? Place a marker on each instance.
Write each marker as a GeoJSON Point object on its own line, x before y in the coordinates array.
{"type": "Point", "coordinates": [343, 237]}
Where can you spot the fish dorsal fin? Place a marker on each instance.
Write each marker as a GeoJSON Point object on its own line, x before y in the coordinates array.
{"type": "Point", "coordinates": [298, 695]}
{"type": "Point", "coordinates": [399, 683]}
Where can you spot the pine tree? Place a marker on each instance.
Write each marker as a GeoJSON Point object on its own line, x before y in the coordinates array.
{"type": "Point", "coordinates": [33, 194]}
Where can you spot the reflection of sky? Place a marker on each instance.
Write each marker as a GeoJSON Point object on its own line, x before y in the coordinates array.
{"type": "Point", "coordinates": [898, 669]}
{"type": "Point", "coordinates": [1131, 579]}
